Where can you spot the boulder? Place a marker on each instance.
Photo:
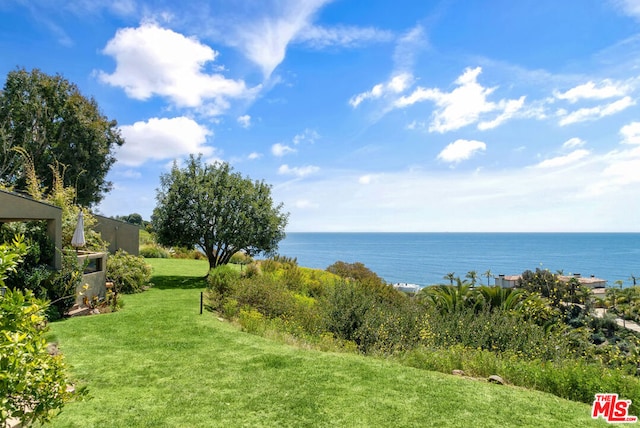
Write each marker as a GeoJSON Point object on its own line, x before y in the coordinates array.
{"type": "Point", "coordinates": [496, 379]}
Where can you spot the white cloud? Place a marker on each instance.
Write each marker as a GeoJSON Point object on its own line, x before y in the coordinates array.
{"type": "Point", "coordinates": [396, 84]}
{"type": "Point", "coordinates": [594, 113]}
{"type": "Point", "coordinates": [408, 45]}
{"type": "Point", "coordinates": [254, 156]}
{"type": "Point", "coordinates": [158, 139]}
{"type": "Point", "coordinates": [628, 7]}
{"type": "Point", "coordinates": [305, 204]}
{"type": "Point", "coordinates": [622, 173]}
{"type": "Point", "coordinates": [565, 160]}
{"type": "Point", "coordinates": [461, 150]}
{"type": "Point", "coordinates": [509, 109]}
{"type": "Point", "coordinates": [590, 90]}
{"type": "Point", "coordinates": [308, 135]}
{"type": "Point", "coordinates": [573, 142]}
{"type": "Point", "coordinates": [414, 200]}
{"type": "Point", "coordinates": [464, 105]}
{"type": "Point", "coordinates": [130, 173]}
{"type": "Point", "coordinates": [365, 179]}
{"type": "Point", "coordinates": [151, 60]}
{"type": "Point", "coordinates": [298, 171]}
{"type": "Point", "coordinates": [280, 150]}
{"type": "Point", "coordinates": [344, 36]}
{"type": "Point", "coordinates": [264, 39]}
{"type": "Point", "coordinates": [244, 121]}
{"type": "Point", "coordinates": [631, 133]}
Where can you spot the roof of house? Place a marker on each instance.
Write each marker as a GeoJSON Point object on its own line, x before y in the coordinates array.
{"type": "Point", "coordinates": [564, 278]}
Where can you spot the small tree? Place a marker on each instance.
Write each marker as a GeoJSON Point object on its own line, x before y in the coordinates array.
{"type": "Point", "coordinates": [450, 276]}
{"type": "Point", "coordinates": [473, 277]}
{"type": "Point", "coordinates": [217, 210]}
{"type": "Point", "coordinates": [488, 274]}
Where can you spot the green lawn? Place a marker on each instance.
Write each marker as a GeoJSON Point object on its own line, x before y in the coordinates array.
{"type": "Point", "coordinates": [158, 363]}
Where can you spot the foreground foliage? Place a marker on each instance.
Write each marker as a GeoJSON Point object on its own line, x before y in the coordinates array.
{"type": "Point", "coordinates": [33, 382]}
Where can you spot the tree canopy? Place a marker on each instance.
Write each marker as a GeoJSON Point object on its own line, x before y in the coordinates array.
{"type": "Point", "coordinates": [217, 210]}
{"type": "Point", "coordinates": [55, 124]}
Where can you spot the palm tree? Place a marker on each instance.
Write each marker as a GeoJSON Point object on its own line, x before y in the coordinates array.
{"type": "Point", "coordinates": [505, 299]}
{"type": "Point", "coordinates": [488, 274]}
{"type": "Point", "coordinates": [447, 298]}
{"type": "Point", "coordinates": [450, 276]}
{"type": "Point", "coordinates": [633, 278]}
{"type": "Point", "coordinates": [473, 276]}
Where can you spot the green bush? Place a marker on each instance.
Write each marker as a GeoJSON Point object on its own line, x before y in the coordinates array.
{"type": "Point", "coordinates": [154, 251]}
{"type": "Point", "coordinates": [344, 310]}
{"type": "Point", "coordinates": [495, 331]}
{"type": "Point", "coordinates": [390, 327]}
{"type": "Point", "coordinates": [186, 253]}
{"type": "Point", "coordinates": [129, 274]}
{"type": "Point", "coordinates": [223, 279]}
{"type": "Point", "coordinates": [35, 275]}
{"type": "Point", "coordinates": [240, 258]}
{"type": "Point", "coordinates": [268, 296]}
{"type": "Point", "coordinates": [33, 382]}
{"type": "Point", "coordinates": [252, 321]}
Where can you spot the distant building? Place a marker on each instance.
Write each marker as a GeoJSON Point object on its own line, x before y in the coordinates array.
{"type": "Point", "coordinates": [511, 281]}
{"type": "Point", "coordinates": [591, 282]}
{"type": "Point", "coordinates": [119, 234]}
{"type": "Point", "coordinates": [507, 281]}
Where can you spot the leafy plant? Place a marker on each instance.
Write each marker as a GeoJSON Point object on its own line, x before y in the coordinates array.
{"type": "Point", "coordinates": [154, 251]}
{"type": "Point", "coordinates": [33, 382]}
{"type": "Point", "coordinates": [129, 274]}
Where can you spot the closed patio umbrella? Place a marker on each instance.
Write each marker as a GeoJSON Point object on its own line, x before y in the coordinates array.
{"type": "Point", "coordinates": [78, 235]}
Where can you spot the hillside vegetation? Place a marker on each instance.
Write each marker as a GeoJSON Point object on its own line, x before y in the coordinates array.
{"type": "Point", "coordinates": [158, 362]}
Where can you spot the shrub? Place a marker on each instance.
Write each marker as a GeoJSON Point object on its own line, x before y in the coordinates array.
{"type": "Point", "coordinates": [186, 253]}
{"type": "Point", "coordinates": [223, 279]}
{"type": "Point", "coordinates": [267, 296]}
{"type": "Point", "coordinates": [344, 310]}
{"type": "Point", "coordinates": [129, 274]}
{"type": "Point", "coordinates": [154, 251]}
{"type": "Point", "coordinates": [389, 327]}
{"type": "Point", "coordinates": [252, 321]}
{"type": "Point", "coordinates": [495, 331]}
{"type": "Point", "coordinates": [33, 382]}
{"type": "Point", "coordinates": [240, 258]}
{"type": "Point", "coordinates": [357, 271]}
{"type": "Point", "coordinates": [63, 285]}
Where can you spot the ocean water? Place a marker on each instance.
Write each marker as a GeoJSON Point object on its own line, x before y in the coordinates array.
{"type": "Point", "coordinates": [425, 258]}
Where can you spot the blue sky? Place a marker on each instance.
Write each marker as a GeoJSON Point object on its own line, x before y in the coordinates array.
{"type": "Point", "coordinates": [452, 115]}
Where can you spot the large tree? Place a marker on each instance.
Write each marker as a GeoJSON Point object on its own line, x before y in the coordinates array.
{"type": "Point", "coordinates": [56, 126]}
{"type": "Point", "coordinates": [217, 210]}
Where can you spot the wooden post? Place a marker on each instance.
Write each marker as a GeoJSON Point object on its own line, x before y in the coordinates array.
{"type": "Point", "coordinates": [201, 302]}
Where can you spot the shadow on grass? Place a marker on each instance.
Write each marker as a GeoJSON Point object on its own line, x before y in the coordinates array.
{"type": "Point", "coordinates": [174, 282]}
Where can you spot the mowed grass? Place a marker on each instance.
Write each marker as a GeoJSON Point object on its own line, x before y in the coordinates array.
{"type": "Point", "coordinates": [159, 363]}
